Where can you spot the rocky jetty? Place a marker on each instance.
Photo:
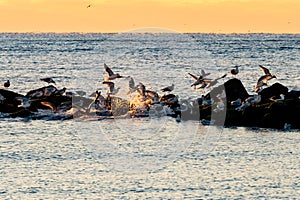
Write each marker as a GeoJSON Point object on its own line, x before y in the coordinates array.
{"type": "Point", "coordinates": [228, 105]}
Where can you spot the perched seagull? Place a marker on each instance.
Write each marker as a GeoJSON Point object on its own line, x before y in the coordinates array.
{"type": "Point", "coordinates": [220, 106]}
{"type": "Point", "coordinates": [48, 80]}
{"type": "Point", "coordinates": [222, 95]}
{"type": "Point", "coordinates": [263, 80]}
{"type": "Point", "coordinates": [111, 74]}
{"type": "Point", "coordinates": [60, 92]}
{"type": "Point", "coordinates": [253, 99]}
{"type": "Point", "coordinates": [141, 89]}
{"type": "Point", "coordinates": [110, 86]}
{"type": "Point", "coordinates": [242, 107]}
{"type": "Point", "coordinates": [235, 70]}
{"type": "Point", "coordinates": [6, 84]}
{"type": "Point", "coordinates": [23, 102]}
{"type": "Point", "coordinates": [237, 102]}
{"type": "Point", "coordinates": [99, 100]}
{"type": "Point", "coordinates": [275, 99]}
{"type": "Point", "coordinates": [2, 98]}
{"type": "Point", "coordinates": [152, 95]}
{"type": "Point", "coordinates": [168, 89]}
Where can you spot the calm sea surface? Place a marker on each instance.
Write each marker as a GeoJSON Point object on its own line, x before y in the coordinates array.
{"type": "Point", "coordinates": [145, 158]}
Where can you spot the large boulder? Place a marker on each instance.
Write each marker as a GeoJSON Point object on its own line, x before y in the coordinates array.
{"type": "Point", "coordinates": [8, 103]}
{"type": "Point", "coordinates": [234, 89]}
{"type": "Point", "coordinates": [274, 90]}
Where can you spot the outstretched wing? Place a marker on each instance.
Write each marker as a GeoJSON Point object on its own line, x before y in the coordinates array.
{"type": "Point", "coordinates": [131, 83]}
{"type": "Point", "coordinates": [222, 76]}
{"type": "Point", "coordinates": [203, 74]}
{"type": "Point", "coordinates": [108, 70]}
{"type": "Point", "coordinates": [194, 77]}
{"type": "Point", "coordinates": [265, 70]}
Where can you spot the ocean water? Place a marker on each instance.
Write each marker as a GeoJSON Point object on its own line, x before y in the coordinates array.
{"type": "Point", "coordinates": [147, 158]}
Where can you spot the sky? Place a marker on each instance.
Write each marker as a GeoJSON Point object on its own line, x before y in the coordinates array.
{"type": "Point", "coordinates": [201, 16]}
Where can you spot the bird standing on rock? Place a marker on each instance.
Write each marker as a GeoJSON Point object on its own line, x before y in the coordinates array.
{"type": "Point", "coordinates": [6, 84]}
{"type": "Point", "coordinates": [168, 89]}
{"type": "Point", "coordinates": [48, 80]}
{"type": "Point", "coordinates": [234, 71]}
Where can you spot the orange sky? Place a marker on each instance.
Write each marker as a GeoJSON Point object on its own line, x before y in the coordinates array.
{"type": "Point", "coordinates": [219, 16]}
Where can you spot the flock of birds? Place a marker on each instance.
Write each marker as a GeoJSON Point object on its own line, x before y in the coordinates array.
{"type": "Point", "coordinates": [151, 97]}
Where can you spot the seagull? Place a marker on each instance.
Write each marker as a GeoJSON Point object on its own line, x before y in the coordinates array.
{"type": "Point", "coordinates": [215, 81]}
{"type": "Point", "coordinates": [168, 89]}
{"type": "Point", "coordinates": [152, 95]}
{"type": "Point", "coordinates": [111, 74]}
{"type": "Point", "coordinates": [110, 86]}
{"type": "Point", "coordinates": [242, 107]}
{"type": "Point", "coordinates": [263, 80]}
{"type": "Point", "coordinates": [253, 99]}
{"type": "Point", "coordinates": [276, 99]}
{"type": "Point", "coordinates": [60, 92]}
{"type": "Point", "coordinates": [235, 70]}
{"type": "Point", "coordinates": [237, 102]}
{"type": "Point", "coordinates": [2, 98]}
{"type": "Point", "coordinates": [98, 100]}
{"type": "Point", "coordinates": [141, 89]}
{"type": "Point", "coordinates": [6, 84]}
{"type": "Point", "coordinates": [198, 80]}
{"type": "Point", "coordinates": [204, 74]}
{"type": "Point", "coordinates": [48, 80]}
{"type": "Point", "coordinates": [132, 86]}
{"type": "Point", "coordinates": [23, 102]}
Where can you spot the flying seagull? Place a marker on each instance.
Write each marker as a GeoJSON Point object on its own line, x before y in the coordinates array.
{"type": "Point", "coordinates": [110, 86]}
{"type": "Point", "coordinates": [263, 80]}
{"type": "Point", "coordinates": [111, 74]}
{"type": "Point", "coordinates": [215, 81]}
{"type": "Point", "coordinates": [199, 80]}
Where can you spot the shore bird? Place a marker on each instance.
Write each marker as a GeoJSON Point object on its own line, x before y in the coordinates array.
{"type": "Point", "coordinates": [263, 80]}
{"type": "Point", "coordinates": [235, 70]}
{"type": "Point", "coordinates": [6, 84]}
{"type": "Point", "coordinates": [110, 86]}
{"type": "Point", "coordinates": [199, 80]}
{"type": "Point", "coordinates": [168, 89]}
{"type": "Point", "coordinates": [48, 80]}
{"type": "Point", "coordinates": [215, 81]}
{"type": "Point", "coordinates": [111, 74]}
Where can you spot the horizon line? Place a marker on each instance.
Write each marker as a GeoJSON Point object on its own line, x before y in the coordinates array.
{"type": "Point", "coordinates": [144, 32]}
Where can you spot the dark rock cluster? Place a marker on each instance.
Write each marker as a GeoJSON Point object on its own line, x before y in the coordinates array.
{"type": "Point", "coordinates": [273, 107]}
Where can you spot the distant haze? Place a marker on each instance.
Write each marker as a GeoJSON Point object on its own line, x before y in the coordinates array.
{"type": "Point", "coordinates": [204, 16]}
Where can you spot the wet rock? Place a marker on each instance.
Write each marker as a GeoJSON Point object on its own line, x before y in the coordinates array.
{"type": "Point", "coordinates": [293, 94]}
{"type": "Point", "coordinates": [274, 90]}
{"type": "Point", "coordinates": [234, 90]}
